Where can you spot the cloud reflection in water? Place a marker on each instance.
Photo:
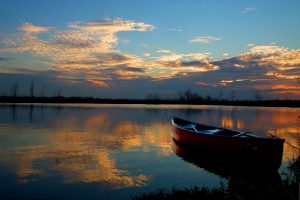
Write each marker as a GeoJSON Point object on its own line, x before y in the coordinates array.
{"type": "Point", "coordinates": [87, 155]}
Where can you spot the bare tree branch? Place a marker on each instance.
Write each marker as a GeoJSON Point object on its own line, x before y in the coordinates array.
{"type": "Point", "coordinates": [14, 90]}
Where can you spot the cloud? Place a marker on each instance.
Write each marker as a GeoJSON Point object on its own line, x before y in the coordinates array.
{"type": "Point", "coordinates": [82, 39]}
{"type": "Point", "coordinates": [98, 83]}
{"type": "Point", "coordinates": [191, 63]}
{"type": "Point", "coordinates": [205, 39]}
{"type": "Point", "coordinates": [265, 67]}
{"type": "Point", "coordinates": [164, 51]}
{"type": "Point", "coordinates": [175, 29]}
{"type": "Point", "coordinates": [29, 28]}
{"type": "Point", "coordinates": [112, 25]}
{"type": "Point", "coordinates": [245, 73]}
{"type": "Point", "coordinates": [11, 70]}
{"type": "Point", "coordinates": [128, 74]}
{"type": "Point", "coordinates": [86, 54]}
{"type": "Point", "coordinates": [83, 45]}
{"type": "Point", "coordinates": [248, 10]}
{"type": "Point", "coordinates": [281, 58]}
{"type": "Point", "coordinates": [195, 62]}
{"type": "Point", "coordinates": [24, 43]}
{"type": "Point", "coordinates": [98, 60]}
{"type": "Point", "coordinates": [202, 83]}
{"type": "Point", "coordinates": [257, 69]}
{"type": "Point", "coordinates": [250, 45]}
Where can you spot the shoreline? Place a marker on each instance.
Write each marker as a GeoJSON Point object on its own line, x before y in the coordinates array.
{"type": "Point", "coordinates": [91, 100]}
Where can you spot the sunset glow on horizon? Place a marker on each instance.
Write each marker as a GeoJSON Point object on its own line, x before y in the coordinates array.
{"type": "Point", "coordinates": [129, 49]}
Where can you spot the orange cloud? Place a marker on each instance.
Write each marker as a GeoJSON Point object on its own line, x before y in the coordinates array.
{"type": "Point", "coordinates": [201, 83]}
{"type": "Point", "coordinates": [112, 25]}
{"type": "Point", "coordinates": [286, 92]}
{"type": "Point", "coordinates": [98, 83]}
{"type": "Point", "coordinates": [193, 62]}
{"type": "Point", "coordinates": [286, 87]}
{"type": "Point", "coordinates": [87, 52]}
{"type": "Point", "coordinates": [99, 60]}
{"type": "Point", "coordinates": [127, 75]}
{"type": "Point", "coordinates": [81, 43]}
{"type": "Point", "coordinates": [279, 57]}
{"type": "Point", "coordinates": [87, 45]}
{"type": "Point", "coordinates": [29, 28]}
{"type": "Point", "coordinates": [225, 82]}
{"type": "Point", "coordinates": [80, 156]}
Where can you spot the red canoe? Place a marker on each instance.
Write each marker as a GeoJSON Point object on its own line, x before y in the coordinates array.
{"type": "Point", "coordinates": [230, 142]}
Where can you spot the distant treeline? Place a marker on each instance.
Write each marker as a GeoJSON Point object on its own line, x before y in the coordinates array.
{"type": "Point", "coordinates": [12, 95]}
{"type": "Point", "coordinates": [150, 100]}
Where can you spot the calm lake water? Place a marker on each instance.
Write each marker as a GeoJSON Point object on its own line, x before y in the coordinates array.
{"type": "Point", "coordinates": [117, 151]}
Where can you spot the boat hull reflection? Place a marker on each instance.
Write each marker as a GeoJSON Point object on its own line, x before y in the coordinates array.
{"type": "Point", "coordinates": [222, 164]}
{"type": "Point", "coordinates": [237, 171]}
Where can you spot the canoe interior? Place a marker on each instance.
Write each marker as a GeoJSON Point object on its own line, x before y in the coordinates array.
{"type": "Point", "coordinates": [184, 124]}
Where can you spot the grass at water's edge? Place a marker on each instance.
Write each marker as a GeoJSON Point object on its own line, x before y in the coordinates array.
{"type": "Point", "coordinates": [288, 189]}
{"type": "Point", "coordinates": [191, 193]}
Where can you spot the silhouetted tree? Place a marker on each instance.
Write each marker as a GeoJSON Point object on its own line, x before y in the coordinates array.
{"type": "Point", "coordinates": [58, 92]}
{"type": "Point", "coordinates": [31, 89]}
{"type": "Point", "coordinates": [43, 91]}
{"type": "Point", "coordinates": [221, 95]}
{"type": "Point", "coordinates": [258, 96]}
{"type": "Point", "coordinates": [14, 90]}
{"type": "Point", "coordinates": [208, 98]}
{"type": "Point", "coordinates": [233, 94]}
{"type": "Point", "coordinates": [153, 97]}
{"type": "Point", "coordinates": [188, 95]}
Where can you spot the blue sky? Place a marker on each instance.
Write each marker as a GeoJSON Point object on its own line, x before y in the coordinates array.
{"type": "Point", "coordinates": [133, 48]}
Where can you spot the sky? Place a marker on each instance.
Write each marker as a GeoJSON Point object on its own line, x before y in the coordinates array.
{"type": "Point", "coordinates": [135, 48]}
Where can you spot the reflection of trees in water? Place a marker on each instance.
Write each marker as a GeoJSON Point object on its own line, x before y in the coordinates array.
{"type": "Point", "coordinates": [153, 111]}
{"type": "Point", "coordinates": [13, 112]}
{"type": "Point", "coordinates": [191, 113]}
{"type": "Point", "coordinates": [188, 112]}
{"type": "Point", "coordinates": [73, 155]}
{"type": "Point", "coordinates": [30, 113]}
{"type": "Point", "coordinates": [16, 111]}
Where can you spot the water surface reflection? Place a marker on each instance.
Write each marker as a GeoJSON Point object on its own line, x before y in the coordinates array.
{"type": "Point", "coordinates": [115, 150]}
{"type": "Point", "coordinates": [242, 178]}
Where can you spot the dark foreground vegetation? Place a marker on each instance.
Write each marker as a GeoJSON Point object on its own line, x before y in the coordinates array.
{"type": "Point", "coordinates": [196, 101]}
{"type": "Point", "coordinates": [288, 189]}
{"type": "Point", "coordinates": [180, 194]}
